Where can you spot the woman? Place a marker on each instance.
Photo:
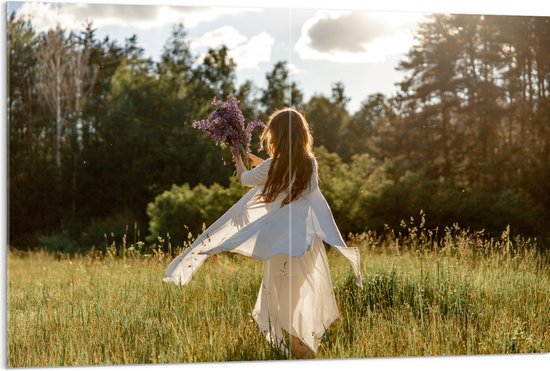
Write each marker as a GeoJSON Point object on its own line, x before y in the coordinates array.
{"type": "Point", "coordinates": [283, 220]}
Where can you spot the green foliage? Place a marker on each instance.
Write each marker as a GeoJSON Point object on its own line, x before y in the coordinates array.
{"type": "Point", "coordinates": [465, 138]}
{"type": "Point", "coordinates": [327, 117]}
{"type": "Point", "coordinates": [97, 234]}
{"type": "Point", "coordinates": [363, 195]}
{"type": "Point", "coordinates": [183, 210]}
{"type": "Point", "coordinates": [31, 176]}
{"type": "Point", "coordinates": [61, 242]}
{"type": "Point", "coordinates": [472, 103]}
{"type": "Point", "coordinates": [100, 233]}
{"type": "Point", "coordinates": [370, 123]}
{"type": "Point", "coordinates": [367, 195]}
{"type": "Point", "coordinates": [279, 93]}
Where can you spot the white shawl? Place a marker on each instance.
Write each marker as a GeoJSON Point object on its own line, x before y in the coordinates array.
{"type": "Point", "coordinates": [262, 230]}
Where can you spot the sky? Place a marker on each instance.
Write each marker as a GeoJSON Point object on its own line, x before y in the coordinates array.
{"type": "Point", "coordinates": [360, 48]}
{"type": "Point", "coordinates": [356, 47]}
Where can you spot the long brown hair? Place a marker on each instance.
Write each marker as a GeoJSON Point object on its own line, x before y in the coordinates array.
{"type": "Point", "coordinates": [290, 145]}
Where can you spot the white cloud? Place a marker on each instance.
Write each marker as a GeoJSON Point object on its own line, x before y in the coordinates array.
{"type": "Point", "coordinates": [347, 32]}
{"type": "Point", "coordinates": [224, 35]}
{"type": "Point", "coordinates": [247, 53]}
{"type": "Point", "coordinates": [293, 69]}
{"type": "Point", "coordinates": [72, 16]}
{"type": "Point", "coordinates": [356, 37]}
{"type": "Point", "coordinates": [256, 50]}
{"type": "Point", "coordinates": [44, 16]}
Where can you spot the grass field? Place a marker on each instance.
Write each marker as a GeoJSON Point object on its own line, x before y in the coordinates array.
{"type": "Point", "coordinates": [468, 294]}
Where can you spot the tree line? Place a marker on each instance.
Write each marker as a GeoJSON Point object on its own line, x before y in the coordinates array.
{"type": "Point", "coordinates": [97, 130]}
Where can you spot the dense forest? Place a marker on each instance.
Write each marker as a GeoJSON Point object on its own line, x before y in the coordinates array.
{"type": "Point", "coordinates": [100, 136]}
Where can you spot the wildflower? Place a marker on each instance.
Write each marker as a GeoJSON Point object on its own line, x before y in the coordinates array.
{"type": "Point", "coordinates": [226, 126]}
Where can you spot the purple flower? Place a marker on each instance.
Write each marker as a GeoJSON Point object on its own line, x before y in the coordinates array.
{"type": "Point", "coordinates": [226, 125]}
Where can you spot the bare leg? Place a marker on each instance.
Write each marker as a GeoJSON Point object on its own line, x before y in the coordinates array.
{"type": "Point", "coordinates": [300, 350]}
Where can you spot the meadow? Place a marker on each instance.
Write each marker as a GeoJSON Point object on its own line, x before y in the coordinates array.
{"type": "Point", "coordinates": [426, 292]}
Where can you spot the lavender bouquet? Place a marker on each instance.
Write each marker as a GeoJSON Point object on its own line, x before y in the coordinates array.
{"type": "Point", "coordinates": [225, 126]}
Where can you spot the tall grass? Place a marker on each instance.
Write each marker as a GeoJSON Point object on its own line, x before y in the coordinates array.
{"type": "Point", "coordinates": [425, 293]}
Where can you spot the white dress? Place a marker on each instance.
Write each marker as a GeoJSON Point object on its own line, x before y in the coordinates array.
{"type": "Point", "coordinates": [296, 291]}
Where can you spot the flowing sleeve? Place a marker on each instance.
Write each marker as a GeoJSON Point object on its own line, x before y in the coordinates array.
{"type": "Point", "coordinates": [256, 176]}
